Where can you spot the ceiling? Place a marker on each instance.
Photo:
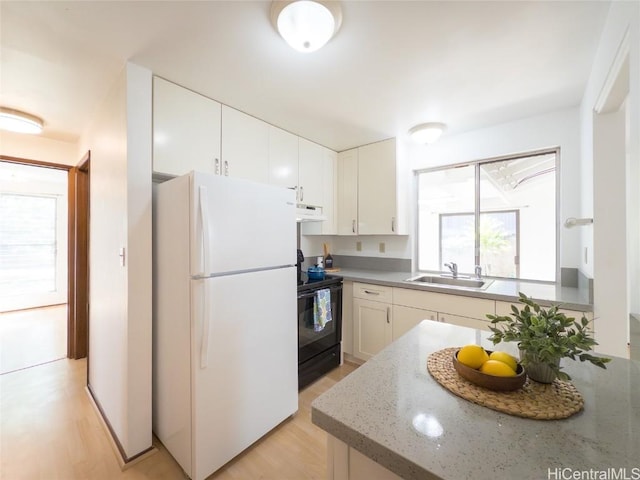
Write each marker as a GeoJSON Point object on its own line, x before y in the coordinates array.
{"type": "Point", "coordinates": [393, 64]}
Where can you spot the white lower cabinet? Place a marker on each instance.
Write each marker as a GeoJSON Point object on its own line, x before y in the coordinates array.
{"type": "Point", "coordinates": [405, 318]}
{"type": "Point", "coordinates": [346, 463]}
{"type": "Point", "coordinates": [347, 317]}
{"type": "Point", "coordinates": [464, 321]}
{"type": "Point", "coordinates": [372, 317]}
{"type": "Point", "coordinates": [504, 308]}
{"type": "Point", "coordinates": [372, 322]}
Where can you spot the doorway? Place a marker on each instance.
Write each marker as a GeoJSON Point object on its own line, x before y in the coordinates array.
{"type": "Point", "coordinates": [616, 229]}
{"type": "Point", "coordinates": [43, 261]}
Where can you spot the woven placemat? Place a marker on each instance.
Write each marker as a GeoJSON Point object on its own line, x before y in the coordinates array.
{"type": "Point", "coordinates": [557, 400]}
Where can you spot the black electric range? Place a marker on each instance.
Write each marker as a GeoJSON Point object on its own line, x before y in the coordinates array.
{"type": "Point", "coordinates": [305, 284]}
{"type": "Point", "coordinates": [318, 346]}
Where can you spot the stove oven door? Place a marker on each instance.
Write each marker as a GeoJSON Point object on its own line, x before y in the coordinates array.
{"type": "Point", "coordinates": [312, 339]}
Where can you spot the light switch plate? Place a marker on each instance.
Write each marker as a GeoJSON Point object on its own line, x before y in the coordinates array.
{"type": "Point", "coordinates": [382, 247]}
{"type": "Point", "coordinates": [358, 246]}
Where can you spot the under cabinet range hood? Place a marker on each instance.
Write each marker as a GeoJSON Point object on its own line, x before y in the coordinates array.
{"type": "Point", "coordinates": [308, 213]}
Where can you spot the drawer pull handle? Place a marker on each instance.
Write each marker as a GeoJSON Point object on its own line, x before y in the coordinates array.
{"type": "Point", "coordinates": [369, 292]}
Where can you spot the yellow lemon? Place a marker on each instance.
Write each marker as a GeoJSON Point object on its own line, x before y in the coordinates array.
{"type": "Point", "coordinates": [504, 357]}
{"type": "Point", "coordinates": [497, 368]}
{"type": "Point", "coordinates": [472, 356]}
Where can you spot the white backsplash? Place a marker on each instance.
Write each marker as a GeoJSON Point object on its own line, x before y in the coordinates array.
{"type": "Point", "coordinates": [395, 246]}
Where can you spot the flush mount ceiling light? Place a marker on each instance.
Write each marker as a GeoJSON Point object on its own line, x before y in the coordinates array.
{"type": "Point", "coordinates": [306, 25]}
{"type": "Point", "coordinates": [427, 132]}
{"type": "Point", "coordinates": [17, 121]}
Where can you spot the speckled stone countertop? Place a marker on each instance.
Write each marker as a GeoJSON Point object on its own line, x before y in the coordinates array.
{"type": "Point", "coordinates": [391, 410]}
{"type": "Point", "coordinates": [503, 290]}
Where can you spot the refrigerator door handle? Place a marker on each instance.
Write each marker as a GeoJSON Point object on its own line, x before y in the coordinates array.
{"type": "Point", "coordinates": [206, 324]}
{"type": "Point", "coordinates": [204, 219]}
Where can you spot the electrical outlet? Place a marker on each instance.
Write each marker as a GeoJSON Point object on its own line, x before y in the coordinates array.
{"type": "Point", "coordinates": [586, 255]}
{"type": "Point", "coordinates": [358, 246]}
{"type": "Point", "coordinates": [381, 247]}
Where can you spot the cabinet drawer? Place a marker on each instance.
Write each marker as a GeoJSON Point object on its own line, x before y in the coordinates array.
{"type": "Point", "coordinates": [464, 321]}
{"type": "Point", "coordinates": [504, 309]}
{"type": "Point", "coordinates": [377, 293]}
{"type": "Point", "coordinates": [405, 318]}
{"type": "Point", "coordinates": [441, 302]}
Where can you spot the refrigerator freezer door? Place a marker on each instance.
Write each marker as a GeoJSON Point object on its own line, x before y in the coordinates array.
{"type": "Point", "coordinates": [250, 383]}
{"type": "Point", "coordinates": [240, 225]}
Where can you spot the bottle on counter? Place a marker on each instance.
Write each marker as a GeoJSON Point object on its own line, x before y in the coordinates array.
{"type": "Point", "coordinates": [328, 261]}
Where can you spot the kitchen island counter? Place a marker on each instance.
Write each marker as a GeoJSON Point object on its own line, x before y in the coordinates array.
{"type": "Point", "coordinates": [395, 414]}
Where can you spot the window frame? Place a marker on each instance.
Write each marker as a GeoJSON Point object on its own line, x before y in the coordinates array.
{"type": "Point", "coordinates": [477, 165]}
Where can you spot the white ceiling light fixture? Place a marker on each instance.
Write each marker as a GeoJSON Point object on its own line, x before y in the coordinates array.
{"type": "Point", "coordinates": [427, 132]}
{"type": "Point", "coordinates": [306, 25]}
{"type": "Point", "coordinates": [17, 121]}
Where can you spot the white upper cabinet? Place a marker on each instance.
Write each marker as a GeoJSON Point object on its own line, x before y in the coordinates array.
{"type": "Point", "coordinates": [310, 167]}
{"type": "Point", "coordinates": [377, 207]}
{"type": "Point", "coordinates": [329, 161]}
{"type": "Point", "coordinates": [330, 191]}
{"type": "Point", "coordinates": [283, 158]}
{"type": "Point", "coordinates": [347, 208]}
{"type": "Point", "coordinates": [186, 130]}
{"type": "Point", "coordinates": [245, 146]}
{"type": "Point", "coordinates": [368, 191]}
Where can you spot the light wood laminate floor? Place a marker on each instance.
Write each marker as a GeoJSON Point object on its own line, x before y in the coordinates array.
{"type": "Point", "coordinates": [32, 337]}
{"type": "Point", "coordinates": [49, 430]}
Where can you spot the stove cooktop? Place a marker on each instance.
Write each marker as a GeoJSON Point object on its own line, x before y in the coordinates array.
{"type": "Point", "coordinates": [305, 283]}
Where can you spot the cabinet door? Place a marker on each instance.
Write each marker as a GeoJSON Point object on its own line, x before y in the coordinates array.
{"type": "Point", "coordinates": [245, 146]}
{"type": "Point", "coordinates": [283, 158]}
{"type": "Point", "coordinates": [329, 198]}
{"type": "Point", "coordinates": [347, 317]}
{"type": "Point", "coordinates": [310, 167]}
{"type": "Point", "coordinates": [377, 188]}
{"type": "Point", "coordinates": [372, 327]}
{"type": "Point", "coordinates": [405, 318]}
{"type": "Point", "coordinates": [329, 191]}
{"type": "Point", "coordinates": [348, 192]}
{"type": "Point", "coordinates": [186, 130]}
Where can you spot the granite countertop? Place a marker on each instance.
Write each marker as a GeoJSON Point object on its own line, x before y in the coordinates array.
{"type": "Point", "coordinates": [392, 410]}
{"type": "Point", "coordinates": [503, 290]}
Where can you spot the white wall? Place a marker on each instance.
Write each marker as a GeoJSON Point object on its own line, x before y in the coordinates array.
{"type": "Point", "coordinates": [559, 128]}
{"type": "Point", "coordinates": [119, 138]}
{"type": "Point", "coordinates": [395, 246]}
{"type": "Point", "coordinates": [621, 219]}
{"type": "Point", "coordinates": [34, 147]}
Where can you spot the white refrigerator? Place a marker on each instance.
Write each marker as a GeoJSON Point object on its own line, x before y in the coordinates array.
{"type": "Point", "coordinates": [225, 316]}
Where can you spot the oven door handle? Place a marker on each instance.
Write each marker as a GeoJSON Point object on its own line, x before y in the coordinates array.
{"type": "Point", "coordinates": [334, 290]}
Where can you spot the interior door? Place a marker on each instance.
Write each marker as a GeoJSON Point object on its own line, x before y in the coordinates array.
{"type": "Point", "coordinates": [245, 362]}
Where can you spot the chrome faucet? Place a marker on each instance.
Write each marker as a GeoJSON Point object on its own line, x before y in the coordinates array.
{"type": "Point", "coordinates": [453, 267]}
{"type": "Point", "coordinates": [478, 272]}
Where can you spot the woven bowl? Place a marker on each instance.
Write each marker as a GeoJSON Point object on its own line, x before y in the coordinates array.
{"type": "Point", "coordinates": [491, 382]}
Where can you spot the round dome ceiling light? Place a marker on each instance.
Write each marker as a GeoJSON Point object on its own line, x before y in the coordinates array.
{"type": "Point", "coordinates": [17, 121]}
{"type": "Point", "coordinates": [427, 132]}
{"type": "Point", "coordinates": [306, 25]}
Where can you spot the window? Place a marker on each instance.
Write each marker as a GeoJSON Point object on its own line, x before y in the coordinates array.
{"type": "Point", "coordinates": [27, 244]}
{"type": "Point", "coordinates": [33, 236]}
{"type": "Point", "coordinates": [499, 214]}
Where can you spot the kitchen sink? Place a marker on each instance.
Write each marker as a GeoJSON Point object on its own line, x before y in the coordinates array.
{"type": "Point", "coordinates": [459, 281]}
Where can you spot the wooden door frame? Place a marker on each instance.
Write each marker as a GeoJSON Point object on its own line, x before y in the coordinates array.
{"type": "Point", "coordinates": [77, 328]}
{"type": "Point", "coordinates": [78, 278]}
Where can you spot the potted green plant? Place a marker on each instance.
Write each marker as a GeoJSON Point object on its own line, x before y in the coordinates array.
{"type": "Point", "coordinates": [544, 337]}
